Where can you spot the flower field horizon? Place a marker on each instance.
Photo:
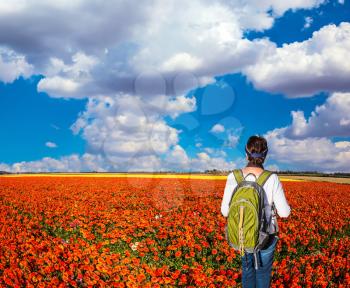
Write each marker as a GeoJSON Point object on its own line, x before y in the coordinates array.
{"type": "Point", "coordinates": [138, 231]}
{"type": "Point", "coordinates": [132, 175]}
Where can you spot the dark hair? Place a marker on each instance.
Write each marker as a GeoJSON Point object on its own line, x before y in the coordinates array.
{"type": "Point", "coordinates": [256, 150]}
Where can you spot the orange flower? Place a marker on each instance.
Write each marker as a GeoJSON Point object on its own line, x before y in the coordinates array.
{"type": "Point", "coordinates": [178, 254]}
{"type": "Point", "coordinates": [76, 231]}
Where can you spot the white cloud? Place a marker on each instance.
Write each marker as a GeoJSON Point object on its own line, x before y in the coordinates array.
{"type": "Point", "coordinates": [215, 152]}
{"type": "Point", "coordinates": [124, 127]}
{"type": "Point", "coordinates": [203, 161]}
{"type": "Point", "coordinates": [71, 163]}
{"type": "Point", "coordinates": [51, 144]}
{"type": "Point", "coordinates": [341, 2]}
{"type": "Point", "coordinates": [209, 150]}
{"type": "Point", "coordinates": [13, 65]}
{"type": "Point", "coordinates": [58, 86]}
{"type": "Point", "coordinates": [273, 167]}
{"type": "Point", "coordinates": [312, 153]}
{"type": "Point", "coordinates": [181, 61]}
{"type": "Point", "coordinates": [306, 144]}
{"type": "Point", "coordinates": [217, 128]}
{"type": "Point", "coordinates": [279, 7]}
{"type": "Point", "coordinates": [330, 119]}
{"type": "Point", "coordinates": [260, 15]}
{"type": "Point", "coordinates": [180, 104]}
{"type": "Point", "coordinates": [176, 160]}
{"type": "Point", "coordinates": [5, 167]}
{"type": "Point", "coordinates": [206, 39]}
{"type": "Point", "coordinates": [64, 80]}
{"type": "Point", "coordinates": [138, 64]}
{"type": "Point", "coordinates": [101, 25]}
{"type": "Point", "coordinates": [308, 67]}
{"type": "Point", "coordinates": [343, 144]}
{"type": "Point", "coordinates": [232, 139]}
{"type": "Point", "coordinates": [308, 22]}
{"type": "Point", "coordinates": [126, 130]}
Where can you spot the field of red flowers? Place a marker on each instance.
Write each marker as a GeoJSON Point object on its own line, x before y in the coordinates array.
{"type": "Point", "coordinates": [137, 232]}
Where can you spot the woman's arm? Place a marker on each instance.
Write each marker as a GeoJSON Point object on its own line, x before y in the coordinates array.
{"type": "Point", "coordinates": [279, 199]}
{"type": "Point", "coordinates": [230, 186]}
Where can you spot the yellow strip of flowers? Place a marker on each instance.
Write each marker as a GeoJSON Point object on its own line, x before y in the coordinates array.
{"type": "Point", "coordinates": [132, 175]}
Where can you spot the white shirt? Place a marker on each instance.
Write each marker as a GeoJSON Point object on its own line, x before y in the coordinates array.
{"type": "Point", "coordinates": [274, 194]}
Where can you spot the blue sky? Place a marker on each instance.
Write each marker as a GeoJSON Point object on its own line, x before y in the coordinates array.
{"type": "Point", "coordinates": [29, 119]}
{"type": "Point", "coordinates": [184, 94]}
{"type": "Point", "coordinates": [255, 111]}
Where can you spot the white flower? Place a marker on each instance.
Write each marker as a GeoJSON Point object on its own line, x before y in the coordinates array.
{"type": "Point", "coordinates": [134, 246]}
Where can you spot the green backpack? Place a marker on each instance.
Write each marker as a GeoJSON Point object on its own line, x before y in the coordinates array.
{"type": "Point", "coordinates": [247, 229]}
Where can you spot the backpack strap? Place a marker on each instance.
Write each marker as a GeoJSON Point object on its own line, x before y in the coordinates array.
{"type": "Point", "coordinates": [263, 177]}
{"type": "Point", "coordinates": [238, 175]}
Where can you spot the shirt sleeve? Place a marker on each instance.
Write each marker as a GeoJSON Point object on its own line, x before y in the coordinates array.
{"type": "Point", "coordinates": [230, 186]}
{"type": "Point", "coordinates": [279, 199]}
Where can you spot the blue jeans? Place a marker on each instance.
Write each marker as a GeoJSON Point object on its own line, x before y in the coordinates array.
{"type": "Point", "coordinates": [261, 277]}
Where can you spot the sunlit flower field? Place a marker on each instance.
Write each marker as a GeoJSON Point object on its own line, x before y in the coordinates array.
{"type": "Point", "coordinates": [159, 232]}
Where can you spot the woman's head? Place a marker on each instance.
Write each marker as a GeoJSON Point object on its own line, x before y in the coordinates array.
{"type": "Point", "coordinates": [256, 149]}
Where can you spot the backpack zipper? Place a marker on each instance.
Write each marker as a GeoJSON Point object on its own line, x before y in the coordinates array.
{"type": "Point", "coordinates": [251, 205]}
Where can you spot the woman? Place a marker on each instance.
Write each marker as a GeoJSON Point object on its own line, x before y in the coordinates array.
{"type": "Point", "coordinates": [256, 150]}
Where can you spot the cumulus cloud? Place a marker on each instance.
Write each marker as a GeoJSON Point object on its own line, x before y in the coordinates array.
{"type": "Point", "coordinates": [308, 22]}
{"type": "Point", "coordinates": [312, 153]}
{"type": "Point", "coordinates": [64, 80]}
{"type": "Point", "coordinates": [217, 128]}
{"type": "Point", "coordinates": [121, 59]}
{"type": "Point", "coordinates": [330, 119]}
{"type": "Point", "coordinates": [313, 143]}
{"type": "Point", "coordinates": [260, 15]}
{"type": "Point", "coordinates": [176, 160]}
{"type": "Point", "coordinates": [71, 163]}
{"type": "Point", "coordinates": [178, 105]}
{"type": "Point", "coordinates": [227, 132]}
{"type": "Point", "coordinates": [308, 67]}
{"type": "Point", "coordinates": [179, 160]}
{"type": "Point", "coordinates": [51, 144]}
{"type": "Point", "coordinates": [91, 57]}
{"type": "Point", "coordinates": [125, 42]}
{"type": "Point", "coordinates": [208, 39]}
{"type": "Point", "coordinates": [121, 125]}
{"type": "Point", "coordinates": [232, 139]}
{"type": "Point", "coordinates": [70, 26]}
{"type": "Point", "coordinates": [306, 144]}
{"type": "Point", "coordinates": [217, 152]}
{"type": "Point", "coordinates": [273, 167]}
{"type": "Point", "coordinates": [5, 167]}
{"type": "Point", "coordinates": [181, 61]}
{"type": "Point", "coordinates": [127, 130]}
{"type": "Point", "coordinates": [13, 65]}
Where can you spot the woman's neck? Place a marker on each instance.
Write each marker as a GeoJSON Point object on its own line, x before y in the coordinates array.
{"type": "Point", "coordinates": [250, 164]}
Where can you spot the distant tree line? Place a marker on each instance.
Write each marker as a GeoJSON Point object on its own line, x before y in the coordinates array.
{"type": "Point", "coordinates": [289, 172]}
